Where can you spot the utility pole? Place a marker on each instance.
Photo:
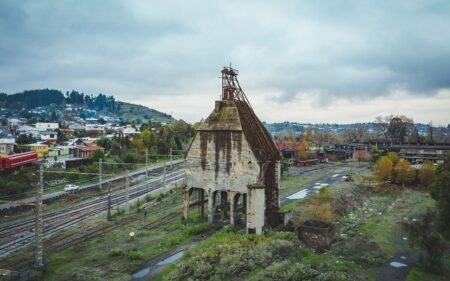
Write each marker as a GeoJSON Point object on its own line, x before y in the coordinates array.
{"type": "Point", "coordinates": [100, 173]}
{"type": "Point", "coordinates": [39, 225]}
{"type": "Point", "coordinates": [164, 175]}
{"type": "Point", "coordinates": [146, 163]}
{"type": "Point", "coordinates": [109, 201]}
{"type": "Point", "coordinates": [127, 194]}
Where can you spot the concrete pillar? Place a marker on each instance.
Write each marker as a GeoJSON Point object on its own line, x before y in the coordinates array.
{"type": "Point", "coordinates": [211, 210]}
{"type": "Point", "coordinates": [201, 202]}
{"type": "Point", "coordinates": [255, 208]}
{"type": "Point", "coordinates": [186, 204]}
{"type": "Point", "coordinates": [232, 194]}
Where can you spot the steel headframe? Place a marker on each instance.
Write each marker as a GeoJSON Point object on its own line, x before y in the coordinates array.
{"type": "Point", "coordinates": [231, 89]}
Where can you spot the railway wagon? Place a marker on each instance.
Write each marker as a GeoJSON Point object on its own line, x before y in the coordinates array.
{"type": "Point", "coordinates": [18, 160]}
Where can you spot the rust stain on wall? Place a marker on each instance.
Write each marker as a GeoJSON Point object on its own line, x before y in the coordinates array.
{"type": "Point", "coordinates": [237, 142]}
{"type": "Point", "coordinates": [203, 148]}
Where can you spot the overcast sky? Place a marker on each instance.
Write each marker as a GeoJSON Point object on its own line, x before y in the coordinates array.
{"type": "Point", "coordinates": [303, 61]}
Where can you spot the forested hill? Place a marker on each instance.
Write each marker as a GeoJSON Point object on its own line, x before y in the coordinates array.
{"type": "Point", "coordinates": [43, 97]}
{"type": "Point", "coordinates": [32, 98]}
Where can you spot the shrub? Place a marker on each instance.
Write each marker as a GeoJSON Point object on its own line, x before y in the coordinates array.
{"type": "Point", "coordinates": [383, 169]}
{"type": "Point", "coordinates": [427, 173]}
{"type": "Point", "coordinates": [404, 173]}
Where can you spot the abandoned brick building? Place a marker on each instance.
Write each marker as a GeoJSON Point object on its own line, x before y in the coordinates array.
{"type": "Point", "coordinates": [234, 164]}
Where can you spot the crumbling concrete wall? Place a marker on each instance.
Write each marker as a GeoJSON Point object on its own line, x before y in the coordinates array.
{"type": "Point", "coordinates": [221, 160]}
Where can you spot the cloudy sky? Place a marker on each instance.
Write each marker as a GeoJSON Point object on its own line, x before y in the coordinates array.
{"type": "Point", "coordinates": [304, 61]}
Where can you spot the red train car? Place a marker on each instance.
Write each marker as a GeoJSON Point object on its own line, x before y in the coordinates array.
{"type": "Point", "coordinates": [18, 160]}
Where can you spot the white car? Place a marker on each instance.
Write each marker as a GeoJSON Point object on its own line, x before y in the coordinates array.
{"type": "Point", "coordinates": [71, 187]}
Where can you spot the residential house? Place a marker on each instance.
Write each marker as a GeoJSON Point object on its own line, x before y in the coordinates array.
{"type": "Point", "coordinates": [85, 151]}
{"type": "Point", "coordinates": [130, 131]}
{"type": "Point", "coordinates": [48, 136]}
{"type": "Point", "coordinates": [7, 146]}
{"type": "Point", "coordinates": [76, 127]}
{"type": "Point", "coordinates": [27, 130]}
{"type": "Point", "coordinates": [39, 148]}
{"type": "Point", "coordinates": [13, 123]}
{"type": "Point", "coordinates": [94, 129]}
{"type": "Point", "coordinates": [46, 126]}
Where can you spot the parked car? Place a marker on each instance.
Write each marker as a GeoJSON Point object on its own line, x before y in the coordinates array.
{"type": "Point", "coordinates": [71, 187]}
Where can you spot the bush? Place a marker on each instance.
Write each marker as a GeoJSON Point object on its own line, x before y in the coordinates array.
{"type": "Point", "coordinates": [149, 198]}
{"type": "Point", "coordinates": [383, 169]}
{"type": "Point", "coordinates": [427, 173]}
{"type": "Point", "coordinates": [422, 233]}
{"type": "Point", "coordinates": [229, 254]}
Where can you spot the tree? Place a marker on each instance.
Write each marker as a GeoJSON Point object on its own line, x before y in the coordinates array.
{"type": "Point", "coordinates": [98, 154]}
{"type": "Point", "coordinates": [394, 157]}
{"type": "Point", "coordinates": [148, 137]}
{"type": "Point", "coordinates": [404, 173]}
{"type": "Point", "coordinates": [383, 169]}
{"type": "Point", "coordinates": [427, 173]}
{"type": "Point", "coordinates": [24, 139]}
{"type": "Point", "coordinates": [356, 135]}
{"type": "Point", "coordinates": [382, 125]}
{"type": "Point", "coordinates": [440, 191]}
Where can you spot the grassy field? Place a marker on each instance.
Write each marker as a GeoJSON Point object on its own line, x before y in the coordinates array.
{"type": "Point", "coordinates": [367, 237]}
{"type": "Point", "coordinates": [112, 255]}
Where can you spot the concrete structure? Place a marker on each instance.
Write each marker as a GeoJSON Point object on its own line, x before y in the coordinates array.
{"type": "Point", "coordinates": [46, 126]}
{"type": "Point", "coordinates": [234, 163]}
{"type": "Point", "coordinates": [416, 154]}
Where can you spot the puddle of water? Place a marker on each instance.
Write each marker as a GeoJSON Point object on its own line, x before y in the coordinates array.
{"type": "Point", "coordinates": [403, 257]}
{"type": "Point", "coordinates": [397, 264]}
{"type": "Point", "coordinates": [298, 195]}
{"type": "Point", "coordinates": [146, 270]}
{"type": "Point", "coordinates": [141, 273]}
{"type": "Point", "coordinates": [171, 259]}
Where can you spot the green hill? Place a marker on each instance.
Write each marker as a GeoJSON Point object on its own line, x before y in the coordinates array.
{"type": "Point", "coordinates": [129, 112]}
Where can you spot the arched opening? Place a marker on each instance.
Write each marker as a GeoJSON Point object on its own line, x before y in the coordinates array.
{"type": "Point", "coordinates": [237, 209]}
{"type": "Point", "coordinates": [199, 201]}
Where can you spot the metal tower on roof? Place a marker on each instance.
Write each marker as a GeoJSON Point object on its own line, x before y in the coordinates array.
{"type": "Point", "coordinates": [231, 89]}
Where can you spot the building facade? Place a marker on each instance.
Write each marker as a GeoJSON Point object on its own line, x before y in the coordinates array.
{"type": "Point", "coordinates": [234, 163]}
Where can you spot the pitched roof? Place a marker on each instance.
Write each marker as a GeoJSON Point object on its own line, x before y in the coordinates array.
{"type": "Point", "coordinates": [235, 115]}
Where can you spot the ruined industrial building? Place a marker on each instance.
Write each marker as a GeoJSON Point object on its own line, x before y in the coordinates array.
{"type": "Point", "coordinates": [233, 164]}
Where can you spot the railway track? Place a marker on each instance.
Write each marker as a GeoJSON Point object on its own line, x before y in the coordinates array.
{"type": "Point", "coordinates": [64, 242]}
{"type": "Point", "coordinates": [22, 234]}
{"type": "Point", "coordinates": [24, 224]}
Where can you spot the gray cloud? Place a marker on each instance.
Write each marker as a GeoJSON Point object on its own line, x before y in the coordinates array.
{"type": "Point", "coordinates": [331, 49]}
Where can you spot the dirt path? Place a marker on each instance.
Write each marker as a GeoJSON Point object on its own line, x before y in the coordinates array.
{"type": "Point", "coordinates": [397, 268]}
